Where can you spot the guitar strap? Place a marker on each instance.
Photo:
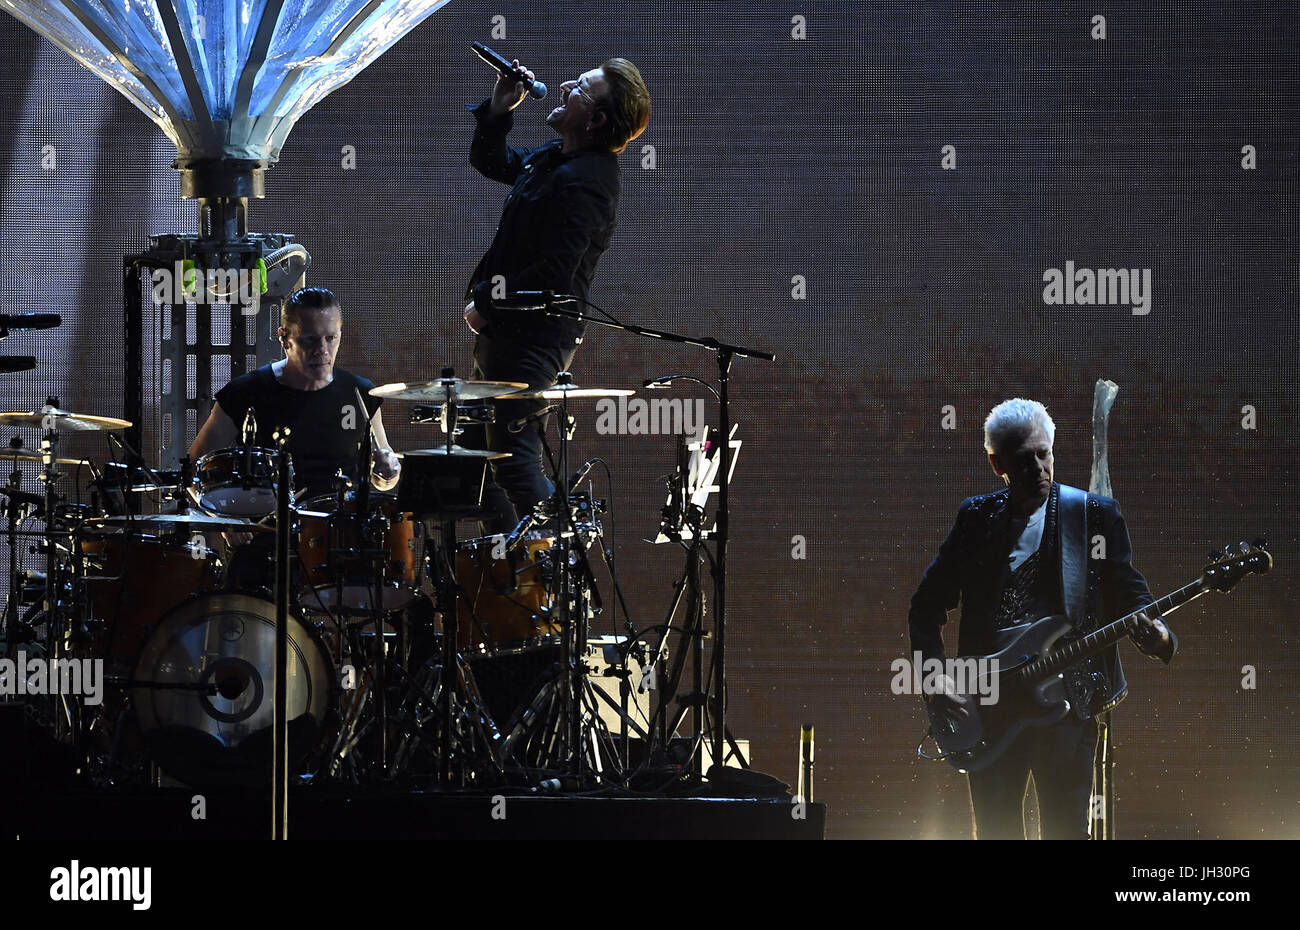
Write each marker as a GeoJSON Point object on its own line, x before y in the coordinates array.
{"type": "Point", "coordinates": [1072, 517]}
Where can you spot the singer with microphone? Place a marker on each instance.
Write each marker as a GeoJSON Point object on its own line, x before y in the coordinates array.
{"type": "Point", "coordinates": [556, 223]}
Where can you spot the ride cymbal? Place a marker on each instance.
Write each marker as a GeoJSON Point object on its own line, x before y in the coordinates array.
{"type": "Point", "coordinates": [439, 390]}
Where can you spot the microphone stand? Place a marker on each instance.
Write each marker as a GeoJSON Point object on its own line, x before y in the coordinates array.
{"type": "Point", "coordinates": [577, 595]}
{"type": "Point", "coordinates": [725, 354]}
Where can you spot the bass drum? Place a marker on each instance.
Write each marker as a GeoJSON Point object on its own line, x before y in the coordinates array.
{"type": "Point", "coordinates": [227, 642]}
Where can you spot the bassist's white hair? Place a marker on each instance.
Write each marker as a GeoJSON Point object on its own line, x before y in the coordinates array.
{"type": "Point", "coordinates": [1015, 419]}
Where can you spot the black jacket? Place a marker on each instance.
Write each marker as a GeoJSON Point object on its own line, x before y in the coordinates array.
{"type": "Point", "coordinates": [972, 569]}
{"type": "Point", "coordinates": [557, 222]}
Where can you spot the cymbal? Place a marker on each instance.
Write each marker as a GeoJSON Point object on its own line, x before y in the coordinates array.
{"type": "Point", "coordinates": [16, 457]}
{"type": "Point", "coordinates": [178, 522]}
{"type": "Point", "coordinates": [436, 391]}
{"type": "Point", "coordinates": [456, 451]}
{"type": "Point", "coordinates": [63, 420]}
{"type": "Point", "coordinates": [571, 391]}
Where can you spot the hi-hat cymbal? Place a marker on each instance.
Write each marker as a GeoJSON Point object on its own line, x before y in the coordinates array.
{"type": "Point", "coordinates": [456, 451]}
{"type": "Point", "coordinates": [438, 390]}
{"type": "Point", "coordinates": [27, 457]}
{"type": "Point", "coordinates": [571, 391]}
{"type": "Point", "coordinates": [48, 418]}
{"type": "Point", "coordinates": [179, 522]}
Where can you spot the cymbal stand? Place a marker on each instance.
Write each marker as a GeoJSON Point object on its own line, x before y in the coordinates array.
{"type": "Point", "coordinates": [459, 706]}
{"type": "Point", "coordinates": [57, 631]}
{"type": "Point", "coordinates": [371, 558]}
{"type": "Point", "coordinates": [15, 510]}
{"type": "Point", "coordinates": [577, 597]}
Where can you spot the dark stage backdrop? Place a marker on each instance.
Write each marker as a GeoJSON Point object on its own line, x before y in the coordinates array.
{"type": "Point", "coordinates": [795, 192]}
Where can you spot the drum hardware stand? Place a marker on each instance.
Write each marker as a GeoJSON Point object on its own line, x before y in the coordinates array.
{"type": "Point", "coordinates": [380, 649]}
{"type": "Point", "coordinates": [578, 597]}
{"type": "Point", "coordinates": [452, 679]}
{"type": "Point", "coordinates": [15, 509]}
{"type": "Point", "coordinates": [280, 709]}
{"type": "Point", "coordinates": [425, 694]}
{"type": "Point", "coordinates": [56, 634]}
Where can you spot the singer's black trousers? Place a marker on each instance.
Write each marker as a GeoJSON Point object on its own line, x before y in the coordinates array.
{"type": "Point", "coordinates": [517, 483]}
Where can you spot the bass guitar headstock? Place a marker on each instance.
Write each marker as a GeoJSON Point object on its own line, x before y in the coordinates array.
{"type": "Point", "coordinates": [1226, 568]}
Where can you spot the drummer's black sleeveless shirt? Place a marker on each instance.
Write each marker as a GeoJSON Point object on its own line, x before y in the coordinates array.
{"type": "Point", "coordinates": [325, 425]}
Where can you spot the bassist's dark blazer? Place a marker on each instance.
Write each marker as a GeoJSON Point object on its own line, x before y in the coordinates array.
{"type": "Point", "coordinates": [972, 569]}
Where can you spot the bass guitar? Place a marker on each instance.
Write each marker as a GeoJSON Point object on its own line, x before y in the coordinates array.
{"type": "Point", "coordinates": [1030, 671]}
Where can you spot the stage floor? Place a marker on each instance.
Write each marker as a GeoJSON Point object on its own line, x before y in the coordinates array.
{"type": "Point", "coordinates": [184, 814]}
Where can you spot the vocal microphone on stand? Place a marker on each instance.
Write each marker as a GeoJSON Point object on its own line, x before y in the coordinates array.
{"type": "Point", "coordinates": [583, 471]}
{"type": "Point", "coordinates": [11, 363]}
{"type": "Point", "coordinates": [518, 425]}
{"type": "Point", "coordinates": [25, 322]}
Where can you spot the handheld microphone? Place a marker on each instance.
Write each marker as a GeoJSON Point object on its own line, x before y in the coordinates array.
{"type": "Point", "coordinates": [536, 89]}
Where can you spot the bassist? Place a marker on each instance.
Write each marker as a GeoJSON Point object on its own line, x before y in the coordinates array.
{"type": "Point", "coordinates": [1003, 563]}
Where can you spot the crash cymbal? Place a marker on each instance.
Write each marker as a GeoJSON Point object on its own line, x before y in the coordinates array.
{"type": "Point", "coordinates": [48, 418]}
{"type": "Point", "coordinates": [457, 451]}
{"type": "Point", "coordinates": [571, 391]}
{"type": "Point", "coordinates": [28, 458]}
{"type": "Point", "coordinates": [179, 522]}
{"type": "Point", "coordinates": [436, 391]}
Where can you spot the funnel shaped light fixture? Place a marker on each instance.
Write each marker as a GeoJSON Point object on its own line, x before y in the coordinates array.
{"type": "Point", "coordinates": [226, 80]}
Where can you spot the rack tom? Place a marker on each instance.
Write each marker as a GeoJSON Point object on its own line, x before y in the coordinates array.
{"type": "Point", "coordinates": [505, 603]}
{"type": "Point", "coordinates": [237, 482]}
{"type": "Point", "coordinates": [371, 560]}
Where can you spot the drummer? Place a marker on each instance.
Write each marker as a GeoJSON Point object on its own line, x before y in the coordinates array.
{"type": "Point", "coordinates": [307, 393]}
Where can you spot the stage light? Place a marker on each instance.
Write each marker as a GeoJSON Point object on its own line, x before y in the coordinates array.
{"type": "Point", "coordinates": [226, 80]}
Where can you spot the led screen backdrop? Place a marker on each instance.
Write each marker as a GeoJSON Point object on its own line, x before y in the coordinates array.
{"type": "Point", "coordinates": [881, 194]}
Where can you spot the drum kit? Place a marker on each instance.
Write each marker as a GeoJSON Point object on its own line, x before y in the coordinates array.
{"type": "Point", "coordinates": [415, 658]}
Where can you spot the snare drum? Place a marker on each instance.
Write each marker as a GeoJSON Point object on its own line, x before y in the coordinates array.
{"type": "Point", "coordinates": [237, 482]}
{"type": "Point", "coordinates": [374, 560]}
{"type": "Point", "coordinates": [505, 603]}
